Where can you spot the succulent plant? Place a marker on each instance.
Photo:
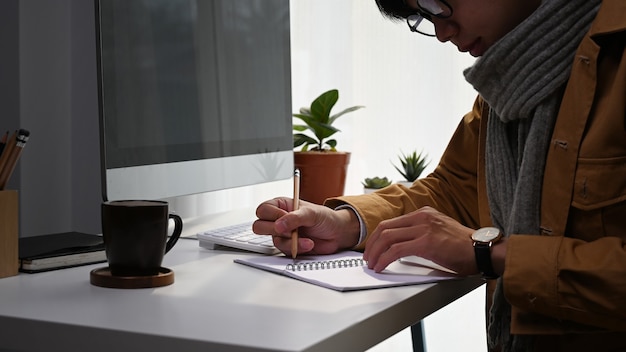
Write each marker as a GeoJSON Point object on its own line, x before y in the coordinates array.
{"type": "Point", "coordinates": [412, 165]}
{"type": "Point", "coordinates": [376, 182]}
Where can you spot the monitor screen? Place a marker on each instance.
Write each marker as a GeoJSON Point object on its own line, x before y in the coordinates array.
{"type": "Point", "coordinates": [195, 95]}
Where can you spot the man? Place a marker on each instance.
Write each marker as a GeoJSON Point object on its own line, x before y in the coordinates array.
{"type": "Point", "coordinates": [531, 191]}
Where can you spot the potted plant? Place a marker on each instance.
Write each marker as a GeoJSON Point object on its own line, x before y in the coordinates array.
{"type": "Point", "coordinates": [372, 184]}
{"type": "Point", "coordinates": [323, 168]}
{"type": "Point", "coordinates": [412, 166]}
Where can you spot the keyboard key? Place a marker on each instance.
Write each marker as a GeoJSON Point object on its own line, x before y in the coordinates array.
{"type": "Point", "coordinates": [239, 236]}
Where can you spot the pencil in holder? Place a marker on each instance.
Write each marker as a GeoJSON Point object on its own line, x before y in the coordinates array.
{"type": "Point", "coordinates": [8, 234]}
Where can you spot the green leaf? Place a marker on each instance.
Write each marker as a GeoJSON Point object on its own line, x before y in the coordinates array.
{"type": "Point", "coordinates": [321, 107]}
{"type": "Point", "coordinates": [412, 165]}
{"type": "Point", "coordinates": [345, 111]}
{"type": "Point", "coordinates": [300, 139]}
{"type": "Point", "coordinates": [317, 119]}
{"type": "Point", "coordinates": [323, 131]}
{"type": "Point", "coordinates": [376, 182]}
{"type": "Point", "coordinates": [306, 118]}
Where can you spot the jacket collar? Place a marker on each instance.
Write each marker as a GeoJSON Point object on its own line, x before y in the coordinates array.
{"type": "Point", "coordinates": [610, 18]}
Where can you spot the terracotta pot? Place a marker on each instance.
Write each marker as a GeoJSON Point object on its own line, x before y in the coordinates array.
{"type": "Point", "coordinates": [322, 174]}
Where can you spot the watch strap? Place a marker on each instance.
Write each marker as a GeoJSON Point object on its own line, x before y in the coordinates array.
{"type": "Point", "coordinates": [482, 250]}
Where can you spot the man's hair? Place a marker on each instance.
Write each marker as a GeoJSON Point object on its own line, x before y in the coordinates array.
{"type": "Point", "coordinates": [394, 9]}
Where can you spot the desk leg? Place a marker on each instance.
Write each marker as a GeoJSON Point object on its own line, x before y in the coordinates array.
{"type": "Point", "coordinates": [417, 335]}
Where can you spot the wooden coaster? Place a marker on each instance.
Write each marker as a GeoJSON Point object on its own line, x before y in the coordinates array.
{"type": "Point", "coordinates": [102, 277]}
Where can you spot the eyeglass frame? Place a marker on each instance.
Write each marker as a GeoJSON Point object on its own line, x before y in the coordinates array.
{"type": "Point", "coordinates": [425, 15]}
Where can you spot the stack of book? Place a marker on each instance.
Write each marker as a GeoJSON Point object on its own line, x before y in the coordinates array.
{"type": "Point", "coordinates": [61, 250]}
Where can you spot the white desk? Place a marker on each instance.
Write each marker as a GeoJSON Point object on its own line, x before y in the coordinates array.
{"type": "Point", "coordinates": [214, 304]}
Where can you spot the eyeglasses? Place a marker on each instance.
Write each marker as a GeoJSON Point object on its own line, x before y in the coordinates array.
{"type": "Point", "coordinates": [427, 9]}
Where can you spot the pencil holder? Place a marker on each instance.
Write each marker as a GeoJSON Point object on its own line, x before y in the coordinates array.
{"type": "Point", "coordinates": [8, 234]}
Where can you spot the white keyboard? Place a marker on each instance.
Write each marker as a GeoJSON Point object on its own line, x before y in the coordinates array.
{"type": "Point", "coordinates": [238, 236]}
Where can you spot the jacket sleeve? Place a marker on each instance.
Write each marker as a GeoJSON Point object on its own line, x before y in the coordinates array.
{"type": "Point", "coordinates": [568, 280]}
{"type": "Point", "coordinates": [451, 188]}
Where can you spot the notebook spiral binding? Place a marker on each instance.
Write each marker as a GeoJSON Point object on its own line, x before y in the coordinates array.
{"type": "Point", "coordinates": [326, 264]}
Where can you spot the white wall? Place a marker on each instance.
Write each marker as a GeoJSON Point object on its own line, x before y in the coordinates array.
{"type": "Point", "coordinates": [415, 95]}
{"type": "Point", "coordinates": [412, 86]}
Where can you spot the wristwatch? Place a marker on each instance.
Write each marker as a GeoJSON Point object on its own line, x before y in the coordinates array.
{"type": "Point", "coordinates": [483, 239]}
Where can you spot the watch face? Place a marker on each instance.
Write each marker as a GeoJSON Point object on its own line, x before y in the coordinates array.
{"type": "Point", "coordinates": [486, 234]}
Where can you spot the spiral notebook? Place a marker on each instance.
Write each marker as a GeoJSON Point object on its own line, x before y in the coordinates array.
{"type": "Point", "coordinates": [346, 271]}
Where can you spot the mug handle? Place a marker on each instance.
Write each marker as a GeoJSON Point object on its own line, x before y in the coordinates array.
{"type": "Point", "coordinates": [178, 229]}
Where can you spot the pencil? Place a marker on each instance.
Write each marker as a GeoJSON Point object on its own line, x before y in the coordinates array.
{"type": "Point", "coordinates": [7, 150]}
{"type": "Point", "coordinates": [13, 151]}
{"type": "Point", "coordinates": [3, 141]}
{"type": "Point", "coordinates": [296, 205]}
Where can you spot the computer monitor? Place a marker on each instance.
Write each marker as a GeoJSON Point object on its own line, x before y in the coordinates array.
{"type": "Point", "coordinates": [194, 95]}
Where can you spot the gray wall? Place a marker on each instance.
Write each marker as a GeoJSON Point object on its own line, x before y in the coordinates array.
{"type": "Point", "coordinates": [48, 86]}
{"type": "Point", "coordinates": [9, 63]}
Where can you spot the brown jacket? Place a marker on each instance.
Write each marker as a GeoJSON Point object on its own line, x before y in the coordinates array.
{"type": "Point", "coordinates": [569, 284]}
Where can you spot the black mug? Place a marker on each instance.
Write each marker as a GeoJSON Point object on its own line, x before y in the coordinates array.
{"type": "Point", "coordinates": [135, 235]}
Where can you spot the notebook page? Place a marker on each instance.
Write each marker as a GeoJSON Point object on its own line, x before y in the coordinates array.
{"type": "Point", "coordinates": [349, 278]}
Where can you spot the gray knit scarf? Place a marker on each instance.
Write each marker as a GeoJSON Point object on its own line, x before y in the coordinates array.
{"type": "Point", "coordinates": [522, 78]}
